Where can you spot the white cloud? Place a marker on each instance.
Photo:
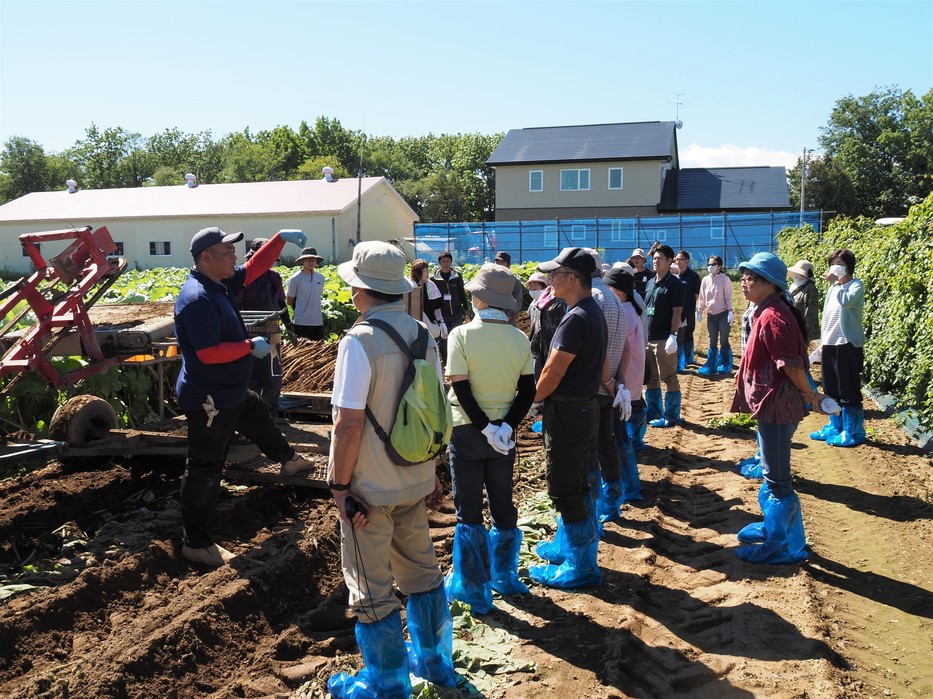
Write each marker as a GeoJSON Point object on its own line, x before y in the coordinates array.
{"type": "Point", "coordinates": [729, 155]}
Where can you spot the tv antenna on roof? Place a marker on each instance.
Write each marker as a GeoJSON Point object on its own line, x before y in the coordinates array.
{"type": "Point", "coordinates": [677, 122]}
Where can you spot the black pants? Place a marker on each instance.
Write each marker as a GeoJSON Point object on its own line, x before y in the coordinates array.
{"type": "Point", "coordinates": [569, 429]}
{"type": "Point", "coordinates": [451, 322]}
{"type": "Point", "coordinates": [207, 453]}
{"type": "Point", "coordinates": [842, 373]}
{"type": "Point", "coordinates": [309, 332]}
{"type": "Point", "coordinates": [266, 379]}
{"type": "Point", "coordinates": [606, 452]}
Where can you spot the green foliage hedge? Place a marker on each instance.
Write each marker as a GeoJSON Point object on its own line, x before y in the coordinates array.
{"type": "Point", "coordinates": [895, 263]}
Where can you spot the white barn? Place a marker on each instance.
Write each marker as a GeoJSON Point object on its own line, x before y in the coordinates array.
{"type": "Point", "coordinates": [153, 226]}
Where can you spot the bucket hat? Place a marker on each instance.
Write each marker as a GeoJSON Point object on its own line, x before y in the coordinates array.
{"type": "Point", "coordinates": [309, 254]}
{"type": "Point", "coordinates": [769, 267]}
{"type": "Point", "coordinates": [802, 267]}
{"type": "Point", "coordinates": [493, 284]}
{"type": "Point", "coordinates": [378, 266]}
{"type": "Point", "coordinates": [618, 278]}
{"type": "Point", "coordinates": [639, 252]}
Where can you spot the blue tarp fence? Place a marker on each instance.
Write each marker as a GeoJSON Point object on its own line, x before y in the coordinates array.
{"type": "Point", "coordinates": [734, 237]}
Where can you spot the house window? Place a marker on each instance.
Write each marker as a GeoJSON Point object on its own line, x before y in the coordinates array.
{"type": "Point", "coordinates": [536, 181]}
{"type": "Point", "coordinates": [716, 232]}
{"type": "Point", "coordinates": [574, 180]}
{"type": "Point", "coordinates": [578, 232]}
{"type": "Point", "coordinates": [550, 236]}
{"type": "Point", "coordinates": [615, 178]}
{"type": "Point", "coordinates": [160, 248]}
{"type": "Point", "coordinates": [659, 235]}
{"type": "Point", "coordinates": [621, 232]}
{"type": "Point", "coordinates": [119, 250]}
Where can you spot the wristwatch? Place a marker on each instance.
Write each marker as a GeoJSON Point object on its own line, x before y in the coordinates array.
{"type": "Point", "coordinates": [338, 486]}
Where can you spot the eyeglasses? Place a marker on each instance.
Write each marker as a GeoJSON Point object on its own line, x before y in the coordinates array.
{"type": "Point", "coordinates": [551, 275]}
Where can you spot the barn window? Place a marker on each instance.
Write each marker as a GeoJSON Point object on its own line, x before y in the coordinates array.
{"type": "Point", "coordinates": [160, 248]}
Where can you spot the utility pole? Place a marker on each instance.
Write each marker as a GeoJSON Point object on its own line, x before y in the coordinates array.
{"type": "Point", "coordinates": [803, 185]}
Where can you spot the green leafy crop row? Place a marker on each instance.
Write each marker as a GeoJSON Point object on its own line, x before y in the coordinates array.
{"type": "Point", "coordinates": [895, 263]}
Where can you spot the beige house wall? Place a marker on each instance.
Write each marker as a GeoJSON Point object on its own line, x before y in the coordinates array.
{"type": "Point", "coordinates": [641, 186]}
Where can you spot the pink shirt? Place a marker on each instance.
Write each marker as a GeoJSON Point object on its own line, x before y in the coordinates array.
{"type": "Point", "coordinates": [633, 354]}
{"type": "Point", "coordinates": [715, 294]}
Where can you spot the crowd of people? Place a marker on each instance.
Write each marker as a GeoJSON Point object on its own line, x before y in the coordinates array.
{"type": "Point", "coordinates": [602, 341]}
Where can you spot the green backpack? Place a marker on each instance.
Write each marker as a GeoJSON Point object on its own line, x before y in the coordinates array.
{"type": "Point", "coordinates": [423, 420]}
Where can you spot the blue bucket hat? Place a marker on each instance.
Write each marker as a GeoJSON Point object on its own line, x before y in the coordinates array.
{"type": "Point", "coordinates": [769, 267]}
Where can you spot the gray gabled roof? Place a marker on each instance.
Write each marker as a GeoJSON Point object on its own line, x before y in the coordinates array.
{"type": "Point", "coordinates": [725, 189]}
{"type": "Point", "coordinates": [647, 140]}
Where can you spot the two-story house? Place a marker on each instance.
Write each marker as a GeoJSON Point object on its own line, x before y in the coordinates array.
{"type": "Point", "coordinates": [619, 171]}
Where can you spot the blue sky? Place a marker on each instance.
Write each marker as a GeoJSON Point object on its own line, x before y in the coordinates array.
{"type": "Point", "coordinates": [756, 79]}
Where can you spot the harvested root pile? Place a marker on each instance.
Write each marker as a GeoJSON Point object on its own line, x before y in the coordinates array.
{"type": "Point", "coordinates": [309, 366]}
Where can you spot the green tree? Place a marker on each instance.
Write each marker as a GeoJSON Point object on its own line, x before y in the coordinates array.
{"type": "Point", "coordinates": [868, 138]}
{"type": "Point", "coordinates": [828, 187]}
{"type": "Point", "coordinates": [23, 169]}
{"type": "Point", "coordinates": [110, 158]}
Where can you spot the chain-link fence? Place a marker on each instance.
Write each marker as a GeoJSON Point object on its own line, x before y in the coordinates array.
{"type": "Point", "coordinates": [734, 237]}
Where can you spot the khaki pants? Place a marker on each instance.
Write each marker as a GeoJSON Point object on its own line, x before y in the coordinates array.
{"type": "Point", "coordinates": [663, 367]}
{"type": "Point", "coordinates": [394, 545]}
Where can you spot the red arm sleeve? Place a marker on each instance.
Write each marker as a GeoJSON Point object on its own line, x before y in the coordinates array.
{"type": "Point", "coordinates": [224, 352]}
{"type": "Point", "coordinates": [263, 259]}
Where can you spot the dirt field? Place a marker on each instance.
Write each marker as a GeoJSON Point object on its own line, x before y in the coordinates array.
{"type": "Point", "coordinates": [114, 611]}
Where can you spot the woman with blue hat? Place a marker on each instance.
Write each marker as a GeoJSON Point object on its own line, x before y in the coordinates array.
{"type": "Point", "coordinates": [772, 385]}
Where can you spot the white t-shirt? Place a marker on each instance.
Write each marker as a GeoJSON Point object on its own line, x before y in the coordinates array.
{"type": "Point", "coordinates": [307, 290]}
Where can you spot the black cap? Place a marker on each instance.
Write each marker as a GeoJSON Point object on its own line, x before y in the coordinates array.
{"type": "Point", "coordinates": [206, 237]}
{"type": "Point", "coordinates": [504, 257]}
{"type": "Point", "coordinates": [575, 258]}
{"type": "Point", "coordinates": [619, 279]}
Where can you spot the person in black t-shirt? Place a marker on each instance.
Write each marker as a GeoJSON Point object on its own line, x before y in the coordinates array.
{"type": "Point", "coordinates": [569, 382]}
{"type": "Point", "coordinates": [664, 307]}
{"type": "Point", "coordinates": [685, 351]}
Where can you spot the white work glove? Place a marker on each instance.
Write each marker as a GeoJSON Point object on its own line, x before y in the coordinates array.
{"type": "Point", "coordinates": [293, 236]}
{"type": "Point", "coordinates": [816, 356]}
{"type": "Point", "coordinates": [671, 345]}
{"type": "Point", "coordinates": [730, 316]}
{"type": "Point", "coordinates": [210, 409]}
{"type": "Point", "coordinates": [699, 315]}
{"type": "Point", "coordinates": [489, 432]}
{"type": "Point", "coordinates": [830, 406]}
{"type": "Point", "coordinates": [444, 331]}
{"type": "Point", "coordinates": [534, 411]}
{"type": "Point", "coordinates": [623, 401]}
{"type": "Point", "coordinates": [261, 347]}
{"type": "Point", "coordinates": [504, 438]}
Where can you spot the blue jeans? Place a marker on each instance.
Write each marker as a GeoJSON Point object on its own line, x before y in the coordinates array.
{"type": "Point", "coordinates": [775, 456]}
{"type": "Point", "coordinates": [473, 465]}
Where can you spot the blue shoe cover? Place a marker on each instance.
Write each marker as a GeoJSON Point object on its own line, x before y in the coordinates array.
{"type": "Point", "coordinates": [386, 665]}
{"type": "Point", "coordinates": [554, 551]}
{"type": "Point", "coordinates": [610, 500]}
{"type": "Point", "coordinates": [506, 544]}
{"type": "Point", "coordinates": [756, 532]}
{"type": "Point", "coordinates": [469, 580]}
{"type": "Point", "coordinates": [830, 429]}
{"type": "Point", "coordinates": [637, 425]}
{"type": "Point", "coordinates": [671, 410]}
{"type": "Point", "coordinates": [752, 469]}
{"type": "Point", "coordinates": [853, 427]}
{"type": "Point", "coordinates": [655, 403]}
{"type": "Point", "coordinates": [725, 361]}
{"type": "Point", "coordinates": [681, 358]}
{"type": "Point", "coordinates": [581, 568]}
{"type": "Point", "coordinates": [432, 637]}
{"type": "Point", "coordinates": [709, 366]}
{"type": "Point", "coordinates": [630, 479]}
{"type": "Point", "coordinates": [783, 527]}
{"type": "Point", "coordinates": [689, 353]}
{"type": "Point", "coordinates": [536, 426]}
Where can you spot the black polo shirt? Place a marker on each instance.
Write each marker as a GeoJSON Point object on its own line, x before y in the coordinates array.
{"type": "Point", "coordinates": [666, 295]}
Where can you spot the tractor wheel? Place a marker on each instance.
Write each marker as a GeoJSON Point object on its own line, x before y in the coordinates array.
{"type": "Point", "coordinates": [80, 421]}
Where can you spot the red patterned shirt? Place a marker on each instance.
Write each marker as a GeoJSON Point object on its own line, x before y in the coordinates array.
{"type": "Point", "coordinates": [761, 387]}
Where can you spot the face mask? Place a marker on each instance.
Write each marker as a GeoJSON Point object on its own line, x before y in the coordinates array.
{"type": "Point", "coordinates": [535, 293]}
{"type": "Point", "coordinates": [712, 269]}
{"type": "Point", "coordinates": [839, 270]}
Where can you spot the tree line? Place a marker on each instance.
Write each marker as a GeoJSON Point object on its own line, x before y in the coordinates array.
{"type": "Point", "coordinates": [876, 160]}
{"type": "Point", "coordinates": [443, 178]}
